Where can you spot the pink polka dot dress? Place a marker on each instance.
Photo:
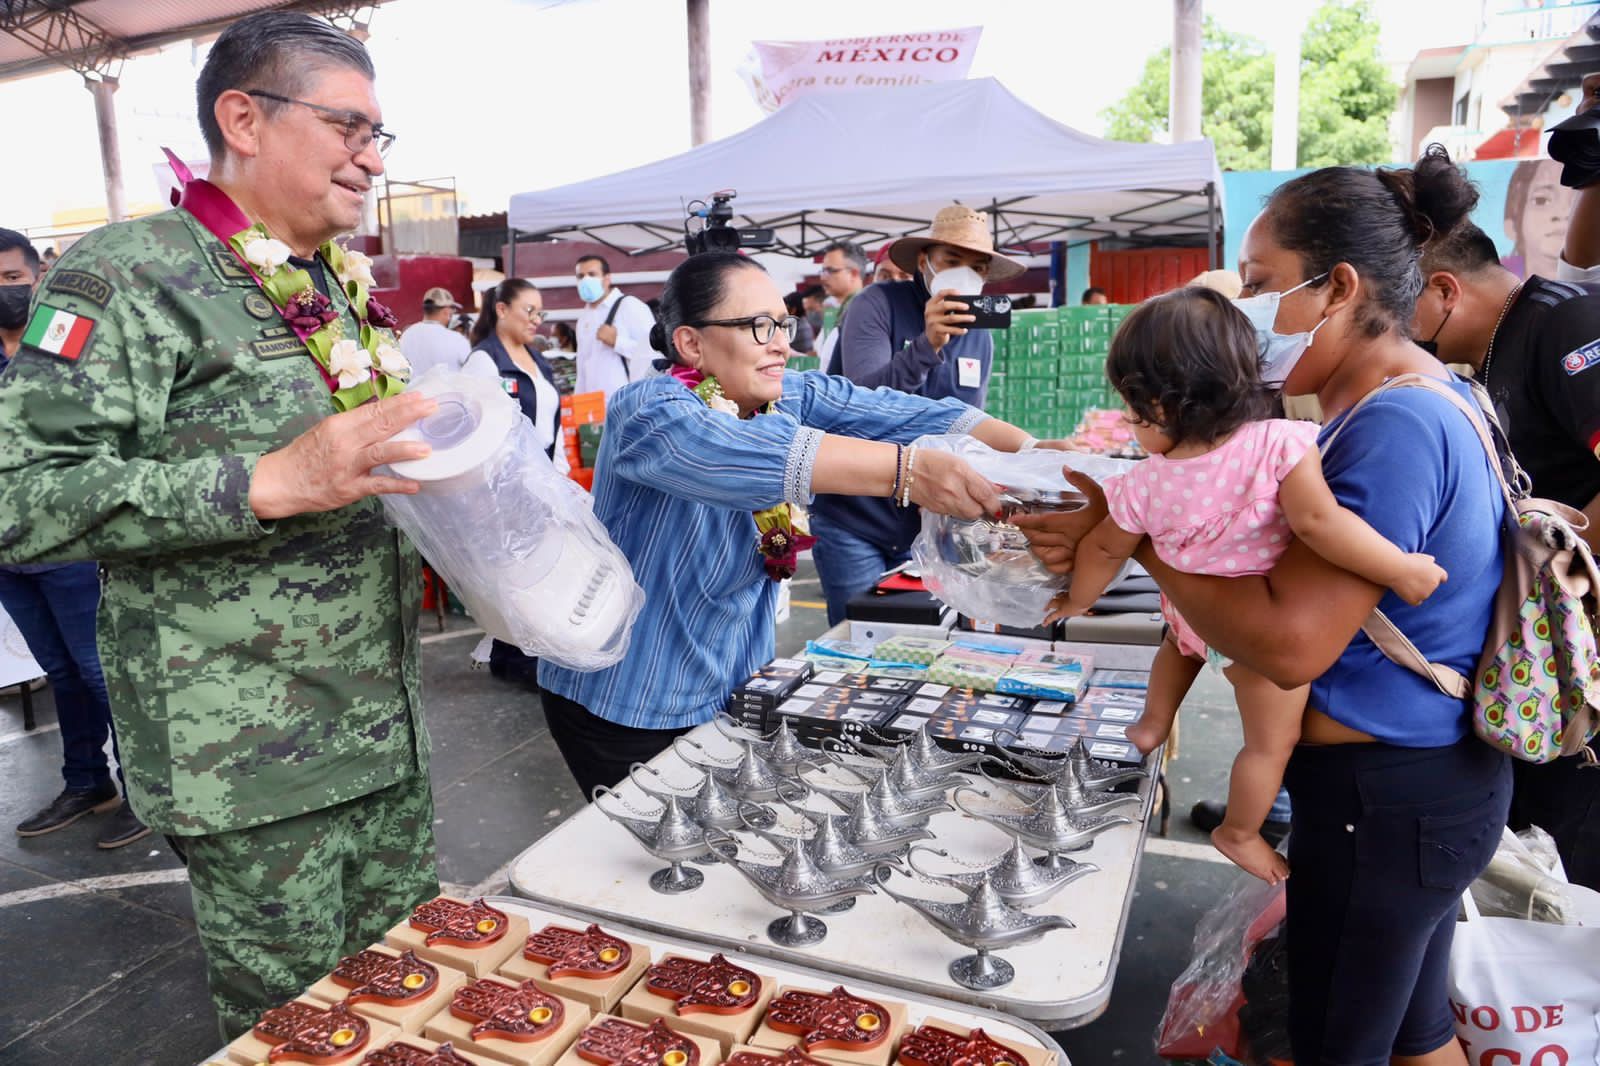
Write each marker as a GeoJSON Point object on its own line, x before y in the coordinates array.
{"type": "Point", "coordinates": [1215, 513]}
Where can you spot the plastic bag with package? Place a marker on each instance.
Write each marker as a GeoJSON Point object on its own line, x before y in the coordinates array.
{"type": "Point", "coordinates": [983, 568]}
{"type": "Point", "coordinates": [1203, 1007]}
{"type": "Point", "coordinates": [1525, 879]}
{"type": "Point", "coordinates": [516, 541]}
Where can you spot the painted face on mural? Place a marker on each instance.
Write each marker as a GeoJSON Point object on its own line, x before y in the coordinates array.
{"type": "Point", "coordinates": [1538, 225]}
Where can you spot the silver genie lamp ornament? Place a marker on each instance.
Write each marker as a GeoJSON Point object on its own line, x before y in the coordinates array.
{"type": "Point", "coordinates": [984, 922]}
{"type": "Point", "coordinates": [796, 885]}
{"type": "Point", "coordinates": [781, 748]}
{"type": "Point", "coordinates": [1078, 800]}
{"type": "Point", "coordinates": [1015, 877]}
{"type": "Point", "coordinates": [1049, 826]}
{"type": "Point", "coordinates": [925, 754]}
{"type": "Point", "coordinates": [863, 828]}
{"type": "Point", "coordinates": [672, 836]}
{"type": "Point", "coordinates": [710, 804]}
{"type": "Point", "coordinates": [750, 777]}
{"type": "Point", "coordinates": [1091, 774]}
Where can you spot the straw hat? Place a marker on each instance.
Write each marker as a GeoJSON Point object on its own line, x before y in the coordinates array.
{"type": "Point", "coordinates": [1227, 282]}
{"type": "Point", "coordinates": [959, 227]}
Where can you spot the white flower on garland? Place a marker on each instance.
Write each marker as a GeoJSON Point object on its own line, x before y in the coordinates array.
{"type": "Point", "coordinates": [721, 403]}
{"type": "Point", "coordinates": [358, 267]}
{"type": "Point", "coordinates": [350, 363]}
{"type": "Point", "coordinates": [392, 363]}
{"type": "Point", "coordinates": [266, 254]}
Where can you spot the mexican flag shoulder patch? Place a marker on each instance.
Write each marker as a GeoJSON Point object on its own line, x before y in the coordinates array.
{"type": "Point", "coordinates": [58, 332]}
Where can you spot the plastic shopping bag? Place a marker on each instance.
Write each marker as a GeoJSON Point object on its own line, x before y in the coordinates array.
{"type": "Point", "coordinates": [1525, 991]}
{"type": "Point", "coordinates": [1204, 1006]}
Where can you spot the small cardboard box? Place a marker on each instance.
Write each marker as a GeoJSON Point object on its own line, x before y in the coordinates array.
{"type": "Point", "coordinates": [422, 1043]}
{"type": "Point", "coordinates": [599, 992]}
{"type": "Point", "coordinates": [643, 1004]}
{"type": "Point", "coordinates": [456, 1024]}
{"type": "Point", "coordinates": [879, 1054]}
{"type": "Point", "coordinates": [406, 1012]}
{"type": "Point", "coordinates": [758, 696]}
{"type": "Point", "coordinates": [709, 1052]}
{"type": "Point", "coordinates": [253, 1048]}
{"type": "Point", "coordinates": [489, 936]}
{"type": "Point", "coordinates": [1026, 1055]}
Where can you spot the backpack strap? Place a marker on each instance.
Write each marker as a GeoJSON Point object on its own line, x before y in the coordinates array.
{"type": "Point", "coordinates": [611, 316]}
{"type": "Point", "coordinates": [1384, 634]}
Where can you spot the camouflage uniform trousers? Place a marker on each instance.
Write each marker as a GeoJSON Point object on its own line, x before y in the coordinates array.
{"type": "Point", "coordinates": [278, 904]}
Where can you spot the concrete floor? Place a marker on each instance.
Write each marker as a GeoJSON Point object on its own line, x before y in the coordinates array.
{"type": "Point", "coordinates": [101, 963]}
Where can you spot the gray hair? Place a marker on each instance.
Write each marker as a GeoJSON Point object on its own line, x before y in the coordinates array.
{"type": "Point", "coordinates": [852, 253]}
{"type": "Point", "coordinates": [275, 51]}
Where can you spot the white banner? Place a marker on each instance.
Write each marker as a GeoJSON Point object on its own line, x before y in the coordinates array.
{"type": "Point", "coordinates": [779, 71]}
{"type": "Point", "coordinates": [16, 661]}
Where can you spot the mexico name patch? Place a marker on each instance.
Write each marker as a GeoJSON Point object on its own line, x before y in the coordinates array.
{"type": "Point", "coordinates": [1582, 359]}
{"type": "Point", "coordinates": [58, 332]}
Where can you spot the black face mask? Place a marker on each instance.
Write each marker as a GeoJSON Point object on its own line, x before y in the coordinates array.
{"type": "Point", "coordinates": [1431, 345]}
{"type": "Point", "coordinates": [14, 305]}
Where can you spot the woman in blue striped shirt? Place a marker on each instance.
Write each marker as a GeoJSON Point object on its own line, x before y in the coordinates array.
{"type": "Point", "coordinates": [694, 481]}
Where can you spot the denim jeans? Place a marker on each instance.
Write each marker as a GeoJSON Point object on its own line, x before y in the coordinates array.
{"type": "Point", "coordinates": [55, 612]}
{"type": "Point", "coordinates": [847, 565]}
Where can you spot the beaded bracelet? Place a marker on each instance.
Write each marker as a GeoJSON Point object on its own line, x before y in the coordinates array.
{"type": "Point", "coordinates": [911, 467]}
{"type": "Point", "coordinates": [899, 457]}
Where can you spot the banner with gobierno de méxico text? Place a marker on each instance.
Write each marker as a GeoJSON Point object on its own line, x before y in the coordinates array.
{"type": "Point", "coordinates": [780, 71]}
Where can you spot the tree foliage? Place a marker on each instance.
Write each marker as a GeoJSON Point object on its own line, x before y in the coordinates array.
{"type": "Point", "coordinates": [1346, 94]}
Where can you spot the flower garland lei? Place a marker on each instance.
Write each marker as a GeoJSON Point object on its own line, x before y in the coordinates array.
{"type": "Point", "coordinates": [782, 537]}
{"type": "Point", "coordinates": [355, 368]}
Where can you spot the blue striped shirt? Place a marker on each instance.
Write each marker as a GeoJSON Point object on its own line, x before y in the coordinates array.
{"type": "Point", "coordinates": [676, 484]}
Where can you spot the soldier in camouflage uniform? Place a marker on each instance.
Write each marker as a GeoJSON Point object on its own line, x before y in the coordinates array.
{"type": "Point", "coordinates": [258, 619]}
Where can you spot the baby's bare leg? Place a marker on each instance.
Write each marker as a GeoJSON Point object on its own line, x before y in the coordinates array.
{"type": "Point", "coordinates": [1271, 718]}
{"type": "Point", "coordinates": [1171, 676]}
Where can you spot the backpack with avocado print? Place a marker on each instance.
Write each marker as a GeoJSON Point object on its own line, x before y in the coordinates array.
{"type": "Point", "coordinates": [1536, 695]}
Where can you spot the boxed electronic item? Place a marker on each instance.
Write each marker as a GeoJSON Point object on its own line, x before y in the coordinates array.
{"type": "Point", "coordinates": [1047, 675]}
{"type": "Point", "coordinates": [838, 713]}
{"type": "Point", "coordinates": [1108, 710]}
{"type": "Point", "coordinates": [757, 697]}
{"type": "Point", "coordinates": [1075, 726]}
{"type": "Point", "coordinates": [912, 649]}
{"type": "Point", "coordinates": [1117, 751]}
{"type": "Point", "coordinates": [1120, 679]}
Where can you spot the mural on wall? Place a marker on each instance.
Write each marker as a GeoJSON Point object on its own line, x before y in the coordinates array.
{"type": "Point", "coordinates": [1522, 206]}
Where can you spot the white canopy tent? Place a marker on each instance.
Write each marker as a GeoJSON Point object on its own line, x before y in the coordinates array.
{"type": "Point", "coordinates": [869, 165]}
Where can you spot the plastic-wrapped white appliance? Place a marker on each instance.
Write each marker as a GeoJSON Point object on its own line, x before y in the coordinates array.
{"type": "Point", "coordinates": [516, 541]}
{"type": "Point", "coordinates": [983, 568]}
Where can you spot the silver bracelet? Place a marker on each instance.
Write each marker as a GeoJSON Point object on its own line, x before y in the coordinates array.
{"type": "Point", "coordinates": [1028, 442]}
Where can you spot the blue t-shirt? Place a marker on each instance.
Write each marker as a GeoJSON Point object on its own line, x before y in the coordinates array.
{"type": "Point", "coordinates": [1412, 466]}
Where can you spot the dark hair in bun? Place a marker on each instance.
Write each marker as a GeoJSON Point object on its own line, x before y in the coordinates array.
{"type": "Point", "coordinates": [693, 290]}
{"type": "Point", "coordinates": [1377, 221]}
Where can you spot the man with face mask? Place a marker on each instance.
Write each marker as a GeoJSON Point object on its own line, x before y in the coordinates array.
{"type": "Point", "coordinates": [613, 331]}
{"type": "Point", "coordinates": [1534, 344]}
{"type": "Point", "coordinates": [53, 606]}
{"type": "Point", "coordinates": [907, 335]}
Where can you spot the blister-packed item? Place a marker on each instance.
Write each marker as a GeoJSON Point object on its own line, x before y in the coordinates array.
{"type": "Point", "coordinates": [904, 648]}
{"type": "Point", "coordinates": [840, 649]}
{"type": "Point", "coordinates": [1048, 675]}
{"type": "Point", "coordinates": [983, 567]}
{"type": "Point", "coordinates": [516, 541]}
{"type": "Point", "coordinates": [969, 669]}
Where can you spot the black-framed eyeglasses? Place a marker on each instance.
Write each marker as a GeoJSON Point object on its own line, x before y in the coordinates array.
{"type": "Point", "coordinates": [762, 327]}
{"type": "Point", "coordinates": [359, 130]}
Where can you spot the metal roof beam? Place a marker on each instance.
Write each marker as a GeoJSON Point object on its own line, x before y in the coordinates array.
{"type": "Point", "coordinates": [56, 31]}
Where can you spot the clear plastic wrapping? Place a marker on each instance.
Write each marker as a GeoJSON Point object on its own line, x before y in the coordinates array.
{"type": "Point", "coordinates": [983, 568]}
{"type": "Point", "coordinates": [517, 542]}
{"type": "Point", "coordinates": [1525, 879]}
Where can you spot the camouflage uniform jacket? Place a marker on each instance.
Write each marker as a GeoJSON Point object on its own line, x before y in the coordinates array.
{"type": "Point", "coordinates": [256, 671]}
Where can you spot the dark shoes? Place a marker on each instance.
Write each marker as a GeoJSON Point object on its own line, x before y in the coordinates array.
{"type": "Point", "coordinates": [72, 804]}
{"type": "Point", "coordinates": [123, 827]}
{"type": "Point", "coordinates": [1208, 814]}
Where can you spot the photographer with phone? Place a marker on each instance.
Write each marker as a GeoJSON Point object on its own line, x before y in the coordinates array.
{"type": "Point", "coordinates": [918, 337]}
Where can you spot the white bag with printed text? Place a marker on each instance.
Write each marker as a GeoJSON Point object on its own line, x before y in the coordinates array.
{"type": "Point", "coordinates": [1525, 993]}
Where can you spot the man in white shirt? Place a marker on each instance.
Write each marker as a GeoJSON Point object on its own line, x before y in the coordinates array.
{"type": "Point", "coordinates": [432, 342]}
{"type": "Point", "coordinates": [613, 331]}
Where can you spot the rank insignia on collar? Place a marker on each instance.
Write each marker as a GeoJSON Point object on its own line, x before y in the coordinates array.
{"type": "Point", "coordinates": [301, 1032]}
{"type": "Point", "coordinates": [591, 954]}
{"type": "Point", "coordinates": [714, 987]}
{"type": "Point", "coordinates": [467, 925]}
{"type": "Point", "coordinates": [511, 1012]}
{"type": "Point", "coordinates": [835, 1020]}
{"type": "Point", "coordinates": [614, 1042]}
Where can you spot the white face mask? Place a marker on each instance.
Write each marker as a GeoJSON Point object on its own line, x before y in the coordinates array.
{"type": "Point", "coordinates": [963, 279]}
{"type": "Point", "coordinates": [1279, 351]}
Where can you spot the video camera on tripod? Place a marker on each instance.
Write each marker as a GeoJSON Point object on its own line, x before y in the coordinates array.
{"type": "Point", "coordinates": [716, 232]}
